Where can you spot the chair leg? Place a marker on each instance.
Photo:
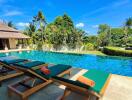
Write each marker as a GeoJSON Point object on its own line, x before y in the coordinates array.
{"type": "Point", "coordinates": [97, 98]}
{"type": "Point", "coordinates": [0, 83]}
{"type": "Point", "coordinates": [34, 80]}
{"type": "Point", "coordinates": [26, 98]}
{"type": "Point", "coordinates": [90, 96]}
{"type": "Point", "coordinates": [87, 97]}
{"type": "Point", "coordinates": [69, 73]}
{"type": "Point", "coordinates": [66, 93]}
{"type": "Point", "coordinates": [9, 93]}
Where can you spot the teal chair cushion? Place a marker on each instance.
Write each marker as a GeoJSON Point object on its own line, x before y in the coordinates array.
{"type": "Point", "coordinates": [54, 70]}
{"type": "Point", "coordinates": [29, 64]}
{"type": "Point", "coordinates": [99, 77]}
{"type": "Point", "coordinates": [13, 61]}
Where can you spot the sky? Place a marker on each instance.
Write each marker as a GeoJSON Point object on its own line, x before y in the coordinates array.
{"type": "Point", "coordinates": [86, 14]}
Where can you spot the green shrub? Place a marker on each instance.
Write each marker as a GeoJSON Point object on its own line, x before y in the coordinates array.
{"type": "Point", "coordinates": [88, 46]}
{"type": "Point", "coordinates": [115, 51]}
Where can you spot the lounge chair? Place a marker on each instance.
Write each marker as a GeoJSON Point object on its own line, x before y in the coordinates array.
{"type": "Point", "coordinates": [10, 63]}
{"type": "Point", "coordinates": [100, 78]}
{"type": "Point", "coordinates": [30, 65]}
{"type": "Point", "coordinates": [7, 69]}
{"type": "Point", "coordinates": [37, 79]}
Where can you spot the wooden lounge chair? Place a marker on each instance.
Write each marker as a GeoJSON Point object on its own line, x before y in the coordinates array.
{"type": "Point", "coordinates": [101, 81]}
{"type": "Point", "coordinates": [9, 64]}
{"type": "Point", "coordinates": [37, 80]}
{"type": "Point", "coordinates": [7, 69]}
{"type": "Point", "coordinates": [30, 65]}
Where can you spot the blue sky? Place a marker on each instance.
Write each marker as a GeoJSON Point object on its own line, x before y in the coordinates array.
{"type": "Point", "coordinates": [86, 14]}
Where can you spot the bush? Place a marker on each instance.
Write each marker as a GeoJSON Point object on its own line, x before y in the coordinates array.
{"type": "Point", "coordinates": [88, 46]}
{"type": "Point", "coordinates": [115, 51]}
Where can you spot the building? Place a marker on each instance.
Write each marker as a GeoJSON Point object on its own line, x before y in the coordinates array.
{"type": "Point", "coordinates": [9, 37]}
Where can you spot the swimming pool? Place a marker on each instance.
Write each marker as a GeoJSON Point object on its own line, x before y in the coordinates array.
{"type": "Point", "coordinates": [115, 65]}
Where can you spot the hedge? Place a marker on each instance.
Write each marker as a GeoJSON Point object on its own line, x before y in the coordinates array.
{"type": "Point", "coordinates": [116, 51]}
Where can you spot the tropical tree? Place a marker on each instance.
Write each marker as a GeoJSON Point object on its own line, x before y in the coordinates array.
{"type": "Point", "coordinates": [128, 23]}
{"type": "Point", "coordinates": [62, 32]}
{"type": "Point", "coordinates": [127, 27]}
{"type": "Point", "coordinates": [103, 28]}
{"type": "Point", "coordinates": [31, 31]}
{"type": "Point", "coordinates": [90, 39]}
{"type": "Point", "coordinates": [10, 24]}
{"type": "Point", "coordinates": [117, 36]}
{"type": "Point", "coordinates": [104, 35]}
{"type": "Point", "coordinates": [42, 24]}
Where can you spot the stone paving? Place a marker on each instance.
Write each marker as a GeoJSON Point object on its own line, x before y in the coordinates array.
{"type": "Point", "coordinates": [119, 88]}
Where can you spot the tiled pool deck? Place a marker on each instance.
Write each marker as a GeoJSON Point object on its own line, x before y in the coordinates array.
{"type": "Point", "coordinates": [119, 88]}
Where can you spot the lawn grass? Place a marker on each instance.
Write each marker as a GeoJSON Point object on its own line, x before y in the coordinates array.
{"type": "Point", "coordinates": [84, 52]}
{"type": "Point", "coordinates": [94, 52]}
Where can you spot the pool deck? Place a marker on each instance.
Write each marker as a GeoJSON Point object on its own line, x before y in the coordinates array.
{"type": "Point", "coordinates": [119, 88]}
{"type": "Point", "coordinates": [13, 50]}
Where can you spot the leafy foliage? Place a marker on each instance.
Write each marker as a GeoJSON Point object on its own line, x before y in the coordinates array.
{"type": "Point", "coordinates": [115, 36]}
{"type": "Point", "coordinates": [62, 33]}
{"type": "Point", "coordinates": [10, 24]}
{"type": "Point", "coordinates": [88, 46]}
{"type": "Point", "coordinates": [103, 28]}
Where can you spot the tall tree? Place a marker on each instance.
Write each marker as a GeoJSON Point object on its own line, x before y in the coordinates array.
{"type": "Point", "coordinates": [42, 23]}
{"type": "Point", "coordinates": [104, 37]}
{"type": "Point", "coordinates": [103, 28]}
{"type": "Point", "coordinates": [31, 31]}
{"type": "Point", "coordinates": [127, 27]}
{"type": "Point", "coordinates": [128, 23]}
{"type": "Point", "coordinates": [63, 33]}
{"type": "Point", "coordinates": [10, 24]}
{"type": "Point", "coordinates": [117, 36]}
{"type": "Point", "coordinates": [68, 23]}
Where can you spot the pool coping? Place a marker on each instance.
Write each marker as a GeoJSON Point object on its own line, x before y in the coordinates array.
{"type": "Point", "coordinates": [14, 50]}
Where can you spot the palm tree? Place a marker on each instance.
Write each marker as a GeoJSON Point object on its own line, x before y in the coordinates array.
{"type": "Point", "coordinates": [30, 31]}
{"type": "Point", "coordinates": [128, 23]}
{"type": "Point", "coordinates": [10, 24]}
{"type": "Point", "coordinates": [42, 23]}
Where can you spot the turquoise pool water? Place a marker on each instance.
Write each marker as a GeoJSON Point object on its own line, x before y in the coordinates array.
{"type": "Point", "coordinates": [115, 65]}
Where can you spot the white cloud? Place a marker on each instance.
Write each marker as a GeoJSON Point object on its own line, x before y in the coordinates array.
{"type": "Point", "coordinates": [121, 3]}
{"type": "Point", "coordinates": [113, 5]}
{"type": "Point", "coordinates": [12, 13]}
{"type": "Point", "coordinates": [22, 24]}
{"type": "Point", "coordinates": [80, 25]}
{"type": "Point", "coordinates": [95, 26]}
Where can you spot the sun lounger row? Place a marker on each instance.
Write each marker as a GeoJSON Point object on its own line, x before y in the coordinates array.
{"type": "Point", "coordinates": [37, 79]}
{"type": "Point", "coordinates": [8, 69]}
